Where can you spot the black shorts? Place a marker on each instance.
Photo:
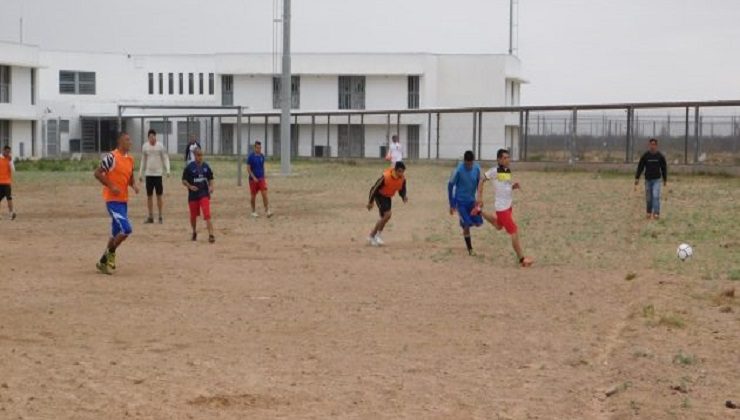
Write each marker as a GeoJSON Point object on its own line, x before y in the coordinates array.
{"type": "Point", "coordinates": [154, 183]}
{"type": "Point", "coordinates": [383, 203]}
{"type": "Point", "coordinates": [6, 192]}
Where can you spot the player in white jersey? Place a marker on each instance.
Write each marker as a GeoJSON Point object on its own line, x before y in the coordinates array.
{"type": "Point", "coordinates": [395, 151]}
{"type": "Point", "coordinates": [503, 190]}
{"type": "Point", "coordinates": [155, 163]}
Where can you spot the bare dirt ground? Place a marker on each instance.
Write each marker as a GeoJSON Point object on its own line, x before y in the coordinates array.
{"type": "Point", "coordinates": [296, 317]}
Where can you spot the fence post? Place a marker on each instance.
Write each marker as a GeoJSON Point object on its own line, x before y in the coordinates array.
{"type": "Point", "coordinates": [573, 135]}
{"type": "Point", "coordinates": [265, 139]}
{"type": "Point", "coordinates": [520, 136]}
{"type": "Point", "coordinates": [526, 135]}
{"type": "Point", "coordinates": [249, 132]}
{"type": "Point", "coordinates": [429, 136]}
{"type": "Point", "coordinates": [628, 148]}
{"type": "Point", "coordinates": [696, 134]}
{"type": "Point", "coordinates": [480, 134]}
{"type": "Point", "coordinates": [328, 135]}
{"type": "Point", "coordinates": [438, 136]}
{"type": "Point", "coordinates": [686, 139]}
{"type": "Point", "coordinates": [239, 148]}
{"type": "Point", "coordinates": [313, 134]}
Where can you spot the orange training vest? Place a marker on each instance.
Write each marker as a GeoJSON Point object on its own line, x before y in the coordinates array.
{"type": "Point", "coordinates": [391, 185]}
{"type": "Point", "coordinates": [6, 175]}
{"type": "Point", "coordinates": [119, 175]}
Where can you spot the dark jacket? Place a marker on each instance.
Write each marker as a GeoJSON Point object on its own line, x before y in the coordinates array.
{"type": "Point", "coordinates": [655, 166]}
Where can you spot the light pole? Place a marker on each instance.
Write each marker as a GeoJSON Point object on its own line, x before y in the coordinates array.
{"type": "Point", "coordinates": [285, 94]}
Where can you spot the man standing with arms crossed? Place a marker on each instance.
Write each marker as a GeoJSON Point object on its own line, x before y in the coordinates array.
{"type": "Point", "coordinates": [116, 174]}
{"type": "Point", "coordinates": [257, 182]}
{"type": "Point", "coordinates": [154, 163]}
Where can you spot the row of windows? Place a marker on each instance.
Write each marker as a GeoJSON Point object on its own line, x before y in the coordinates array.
{"type": "Point", "coordinates": [181, 83]}
{"type": "Point", "coordinates": [351, 91]}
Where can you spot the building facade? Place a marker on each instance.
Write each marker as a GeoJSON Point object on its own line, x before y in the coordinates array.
{"type": "Point", "coordinates": [67, 102]}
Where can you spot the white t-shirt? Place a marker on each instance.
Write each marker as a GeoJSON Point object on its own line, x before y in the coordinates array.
{"type": "Point", "coordinates": [191, 153]}
{"type": "Point", "coordinates": [396, 152]}
{"type": "Point", "coordinates": [154, 160]}
{"type": "Point", "coordinates": [502, 186]}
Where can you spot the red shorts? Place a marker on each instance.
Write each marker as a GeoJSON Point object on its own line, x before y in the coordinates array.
{"type": "Point", "coordinates": [202, 204]}
{"type": "Point", "coordinates": [257, 186]}
{"type": "Point", "coordinates": [505, 219]}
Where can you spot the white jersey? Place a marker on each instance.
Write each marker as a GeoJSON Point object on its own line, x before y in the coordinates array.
{"type": "Point", "coordinates": [396, 152]}
{"type": "Point", "coordinates": [154, 160]}
{"type": "Point", "coordinates": [502, 186]}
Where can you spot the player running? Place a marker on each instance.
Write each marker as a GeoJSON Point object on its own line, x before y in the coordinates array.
{"type": "Point", "coordinates": [503, 190]}
{"type": "Point", "coordinates": [461, 191]}
{"type": "Point", "coordinates": [393, 181]}
{"type": "Point", "coordinates": [257, 182]}
{"type": "Point", "coordinates": [116, 173]}
{"type": "Point", "coordinates": [198, 178]}
{"type": "Point", "coordinates": [7, 169]}
{"type": "Point", "coordinates": [155, 162]}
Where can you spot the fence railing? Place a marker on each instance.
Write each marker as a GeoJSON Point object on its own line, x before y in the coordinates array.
{"type": "Point", "coordinates": [706, 132]}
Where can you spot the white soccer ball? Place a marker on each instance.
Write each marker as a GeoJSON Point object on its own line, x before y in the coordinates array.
{"type": "Point", "coordinates": [684, 252]}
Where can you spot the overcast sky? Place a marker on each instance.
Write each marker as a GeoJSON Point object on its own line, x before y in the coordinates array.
{"type": "Point", "coordinates": [573, 51]}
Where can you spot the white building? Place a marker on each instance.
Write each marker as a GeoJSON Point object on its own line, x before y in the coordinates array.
{"type": "Point", "coordinates": [79, 94]}
{"type": "Point", "coordinates": [19, 113]}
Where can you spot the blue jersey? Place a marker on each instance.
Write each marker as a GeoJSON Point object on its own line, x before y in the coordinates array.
{"type": "Point", "coordinates": [463, 184]}
{"type": "Point", "coordinates": [198, 176]}
{"type": "Point", "coordinates": [257, 163]}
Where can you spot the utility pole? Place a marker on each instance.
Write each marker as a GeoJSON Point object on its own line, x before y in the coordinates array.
{"type": "Point", "coordinates": [285, 94]}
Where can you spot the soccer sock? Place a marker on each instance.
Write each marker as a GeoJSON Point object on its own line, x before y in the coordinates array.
{"type": "Point", "coordinates": [469, 243]}
{"type": "Point", "coordinates": [112, 250]}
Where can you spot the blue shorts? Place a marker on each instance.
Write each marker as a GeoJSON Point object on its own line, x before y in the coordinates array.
{"type": "Point", "coordinates": [119, 214]}
{"type": "Point", "coordinates": [466, 219]}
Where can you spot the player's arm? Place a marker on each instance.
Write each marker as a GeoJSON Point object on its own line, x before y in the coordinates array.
{"type": "Point", "coordinates": [451, 191]}
{"type": "Point", "coordinates": [106, 164]}
{"type": "Point", "coordinates": [664, 169]}
{"type": "Point", "coordinates": [249, 171]}
{"type": "Point", "coordinates": [640, 168]}
{"type": "Point", "coordinates": [211, 182]}
{"type": "Point", "coordinates": [481, 183]}
{"type": "Point", "coordinates": [378, 184]}
{"type": "Point", "coordinates": [186, 182]}
{"type": "Point", "coordinates": [166, 161]}
{"type": "Point", "coordinates": [402, 192]}
{"type": "Point", "coordinates": [132, 184]}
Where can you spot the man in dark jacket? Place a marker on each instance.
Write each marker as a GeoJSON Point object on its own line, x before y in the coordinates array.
{"type": "Point", "coordinates": [654, 164]}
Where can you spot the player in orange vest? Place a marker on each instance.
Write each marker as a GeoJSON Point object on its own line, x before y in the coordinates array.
{"type": "Point", "coordinates": [7, 169]}
{"type": "Point", "coordinates": [393, 181]}
{"type": "Point", "coordinates": [116, 173]}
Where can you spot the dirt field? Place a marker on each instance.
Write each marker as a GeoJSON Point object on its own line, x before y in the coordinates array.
{"type": "Point", "coordinates": [296, 317]}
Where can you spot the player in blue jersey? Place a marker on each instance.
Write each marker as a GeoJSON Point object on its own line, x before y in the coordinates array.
{"type": "Point", "coordinates": [461, 192]}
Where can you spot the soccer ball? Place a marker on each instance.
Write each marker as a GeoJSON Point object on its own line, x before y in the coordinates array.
{"type": "Point", "coordinates": [684, 252]}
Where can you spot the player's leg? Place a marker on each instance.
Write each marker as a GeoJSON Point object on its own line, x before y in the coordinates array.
{"type": "Point", "coordinates": [253, 197]}
{"type": "Point", "coordinates": [384, 210]}
{"type": "Point", "coordinates": [159, 190]}
{"type": "Point", "coordinates": [11, 212]}
{"type": "Point", "coordinates": [149, 198]}
{"type": "Point", "coordinates": [506, 219]}
{"type": "Point", "coordinates": [656, 199]}
{"type": "Point", "coordinates": [194, 206]}
{"type": "Point", "coordinates": [265, 199]}
{"type": "Point", "coordinates": [205, 205]}
{"type": "Point", "coordinates": [120, 230]}
{"type": "Point", "coordinates": [649, 198]}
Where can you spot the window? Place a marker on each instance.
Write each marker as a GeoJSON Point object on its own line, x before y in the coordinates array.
{"type": "Point", "coordinates": [181, 84]}
{"type": "Point", "coordinates": [295, 92]}
{"type": "Point", "coordinates": [200, 83]}
{"type": "Point", "coordinates": [76, 82]}
{"type": "Point", "coordinates": [351, 92]}
{"type": "Point", "coordinates": [210, 84]}
{"type": "Point", "coordinates": [64, 126]}
{"type": "Point", "coordinates": [171, 83]}
{"type": "Point", "coordinates": [227, 90]}
{"type": "Point", "coordinates": [151, 83]}
{"type": "Point", "coordinates": [161, 83]}
{"type": "Point", "coordinates": [4, 133]}
{"type": "Point", "coordinates": [191, 83]}
{"type": "Point", "coordinates": [5, 84]}
{"type": "Point", "coordinates": [33, 86]}
{"type": "Point", "coordinates": [413, 92]}
{"type": "Point", "coordinates": [159, 126]}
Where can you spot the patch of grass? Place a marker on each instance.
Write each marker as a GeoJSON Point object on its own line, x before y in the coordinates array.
{"type": "Point", "coordinates": [648, 311]}
{"type": "Point", "coordinates": [686, 404]}
{"type": "Point", "coordinates": [630, 276]}
{"type": "Point", "coordinates": [684, 359]}
{"type": "Point", "coordinates": [56, 165]}
{"type": "Point", "coordinates": [672, 321]}
{"type": "Point", "coordinates": [734, 274]}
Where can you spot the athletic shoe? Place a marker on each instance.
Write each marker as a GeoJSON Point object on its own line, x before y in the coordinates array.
{"type": "Point", "coordinates": [379, 240]}
{"type": "Point", "coordinates": [255, 215]}
{"type": "Point", "coordinates": [111, 258]}
{"type": "Point", "coordinates": [103, 268]}
{"type": "Point", "coordinates": [472, 253]}
{"type": "Point", "coordinates": [194, 237]}
{"type": "Point", "coordinates": [149, 220]}
{"type": "Point", "coordinates": [160, 220]}
{"type": "Point", "coordinates": [268, 213]}
{"type": "Point", "coordinates": [371, 240]}
{"type": "Point", "coordinates": [211, 238]}
{"type": "Point", "coordinates": [12, 216]}
{"type": "Point", "coordinates": [526, 262]}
